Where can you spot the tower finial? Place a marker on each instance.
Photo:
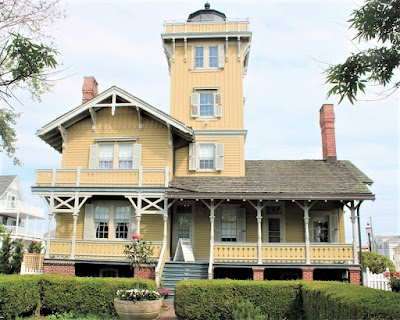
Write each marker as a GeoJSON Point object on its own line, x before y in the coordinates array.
{"type": "Point", "coordinates": [207, 6]}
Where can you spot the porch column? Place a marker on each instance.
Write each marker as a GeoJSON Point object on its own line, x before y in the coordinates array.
{"type": "Point", "coordinates": [138, 213]}
{"type": "Point", "coordinates": [211, 262]}
{"type": "Point", "coordinates": [259, 235]}
{"type": "Point", "coordinates": [51, 215]}
{"type": "Point", "coordinates": [307, 233]}
{"type": "Point", "coordinates": [75, 215]}
{"type": "Point", "coordinates": [17, 225]}
{"type": "Point", "coordinates": [26, 226]}
{"type": "Point", "coordinates": [354, 231]}
{"type": "Point", "coordinates": [165, 218]}
{"type": "Point", "coordinates": [306, 206]}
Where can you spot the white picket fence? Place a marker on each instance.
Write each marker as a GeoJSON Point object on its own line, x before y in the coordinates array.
{"type": "Point", "coordinates": [376, 281]}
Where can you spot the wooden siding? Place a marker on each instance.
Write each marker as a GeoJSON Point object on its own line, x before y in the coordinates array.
{"type": "Point", "coordinates": [152, 227]}
{"type": "Point", "coordinates": [233, 159]}
{"type": "Point", "coordinates": [65, 225]}
{"type": "Point", "coordinates": [229, 81]}
{"type": "Point", "coordinates": [124, 124]}
{"type": "Point", "coordinates": [201, 234]}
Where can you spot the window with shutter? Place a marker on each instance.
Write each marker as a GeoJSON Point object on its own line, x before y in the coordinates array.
{"type": "Point", "coordinates": [93, 156]}
{"type": "Point", "coordinates": [195, 102]}
{"type": "Point", "coordinates": [137, 156]}
{"type": "Point", "coordinates": [206, 156]}
{"type": "Point", "coordinates": [334, 225]}
{"type": "Point", "coordinates": [219, 157]}
{"type": "Point", "coordinates": [88, 226]}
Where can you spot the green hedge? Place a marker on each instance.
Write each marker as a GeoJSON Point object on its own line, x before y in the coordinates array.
{"type": "Point", "coordinates": [336, 300]}
{"type": "Point", "coordinates": [216, 299]}
{"type": "Point", "coordinates": [20, 295]}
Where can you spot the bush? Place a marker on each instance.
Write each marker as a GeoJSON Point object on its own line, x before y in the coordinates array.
{"type": "Point", "coordinates": [63, 294]}
{"type": "Point", "coordinates": [247, 311]}
{"type": "Point", "coordinates": [336, 300]}
{"type": "Point", "coordinates": [19, 295]}
{"type": "Point", "coordinates": [217, 299]}
{"type": "Point", "coordinates": [377, 263]}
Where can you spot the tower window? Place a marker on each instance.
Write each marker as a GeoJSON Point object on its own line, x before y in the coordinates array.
{"type": "Point", "coordinates": [206, 156]}
{"type": "Point", "coordinates": [213, 55]}
{"type": "Point", "coordinates": [199, 57]}
{"type": "Point", "coordinates": [206, 104]}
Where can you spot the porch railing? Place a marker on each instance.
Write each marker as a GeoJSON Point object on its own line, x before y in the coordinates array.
{"type": "Point", "coordinates": [32, 263]}
{"type": "Point", "coordinates": [25, 233]}
{"type": "Point", "coordinates": [284, 253]}
{"type": "Point", "coordinates": [21, 207]}
{"type": "Point", "coordinates": [94, 249]}
{"type": "Point", "coordinates": [183, 26]}
{"type": "Point", "coordinates": [103, 178]}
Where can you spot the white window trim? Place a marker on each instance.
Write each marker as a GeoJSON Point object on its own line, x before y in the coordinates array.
{"type": "Point", "coordinates": [94, 155]}
{"type": "Point", "coordinates": [314, 215]}
{"type": "Point", "coordinates": [206, 58]}
{"type": "Point", "coordinates": [196, 146]}
{"type": "Point", "coordinates": [111, 222]}
{"type": "Point", "coordinates": [217, 107]}
{"type": "Point", "coordinates": [265, 222]}
{"type": "Point", "coordinates": [219, 213]}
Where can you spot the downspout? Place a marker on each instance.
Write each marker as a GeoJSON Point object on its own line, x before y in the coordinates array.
{"type": "Point", "coordinates": [359, 241]}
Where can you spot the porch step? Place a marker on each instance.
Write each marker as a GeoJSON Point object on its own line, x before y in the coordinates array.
{"type": "Point", "coordinates": [177, 271]}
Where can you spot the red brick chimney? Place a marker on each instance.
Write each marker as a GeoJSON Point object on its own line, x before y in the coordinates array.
{"type": "Point", "coordinates": [89, 89]}
{"type": "Point", "coordinates": [327, 123]}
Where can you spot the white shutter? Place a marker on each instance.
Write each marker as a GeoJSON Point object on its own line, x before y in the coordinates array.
{"type": "Point", "coordinates": [132, 222]}
{"type": "Point", "coordinates": [241, 224]}
{"type": "Point", "coordinates": [195, 102]}
{"type": "Point", "coordinates": [219, 157]}
{"type": "Point", "coordinates": [193, 57]}
{"type": "Point", "coordinates": [217, 225]}
{"type": "Point", "coordinates": [137, 156]}
{"type": "Point", "coordinates": [93, 156]}
{"type": "Point", "coordinates": [88, 230]}
{"type": "Point", "coordinates": [193, 156]}
{"type": "Point", "coordinates": [221, 56]}
{"type": "Point", "coordinates": [217, 105]}
{"type": "Point", "coordinates": [334, 226]}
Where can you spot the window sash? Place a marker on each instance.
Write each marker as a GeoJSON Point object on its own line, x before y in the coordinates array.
{"type": "Point", "coordinates": [106, 156]}
{"type": "Point", "coordinates": [206, 156]}
{"type": "Point", "coordinates": [125, 156]}
{"type": "Point", "coordinates": [320, 229]}
{"type": "Point", "coordinates": [213, 57]}
{"type": "Point", "coordinates": [199, 57]}
{"type": "Point", "coordinates": [228, 225]}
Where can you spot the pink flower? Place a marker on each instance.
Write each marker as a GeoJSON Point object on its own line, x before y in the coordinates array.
{"type": "Point", "coordinates": [134, 236]}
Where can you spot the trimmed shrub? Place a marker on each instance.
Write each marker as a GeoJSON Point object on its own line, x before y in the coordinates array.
{"type": "Point", "coordinates": [63, 294]}
{"type": "Point", "coordinates": [19, 295]}
{"type": "Point", "coordinates": [247, 311]}
{"type": "Point", "coordinates": [217, 299]}
{"type": "Point", "coordinates": [336, 300]}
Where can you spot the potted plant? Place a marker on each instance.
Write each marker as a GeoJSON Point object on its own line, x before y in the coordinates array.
{"type": "Point", "coordinates": [138, 303]}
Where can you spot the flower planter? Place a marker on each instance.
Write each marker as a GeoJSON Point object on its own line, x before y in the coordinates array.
{"type": "Point", "coordinates": [136, 310]}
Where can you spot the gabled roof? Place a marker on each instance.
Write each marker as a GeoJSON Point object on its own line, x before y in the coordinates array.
{"type": "Point", "coordinates": [114, 97]}
{"type": "Point", "coordinates": [280, 179]}
{"type": "Point", "coordinates": [5, 182]}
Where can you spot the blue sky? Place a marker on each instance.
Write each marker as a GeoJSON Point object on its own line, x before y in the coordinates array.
{"type": "Point", "coordinates": [118, 42]}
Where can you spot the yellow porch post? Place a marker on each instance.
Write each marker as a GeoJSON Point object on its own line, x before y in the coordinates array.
{"type": "Point", "coordinates": [51, 215]}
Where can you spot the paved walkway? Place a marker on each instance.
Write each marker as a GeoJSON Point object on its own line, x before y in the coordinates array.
{"type": "Point", "coordinates": [170, 313]}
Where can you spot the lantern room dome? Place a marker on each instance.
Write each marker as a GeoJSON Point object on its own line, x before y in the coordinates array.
{"type": "Point", "coordinates": [206, 14]}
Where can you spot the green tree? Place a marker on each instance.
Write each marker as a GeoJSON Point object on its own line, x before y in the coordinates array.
{"type": "Point", "coordinates": [17, 256]}
{"type": "Point", "coordinates": [26, 60]}
{"type": "Point", "coordinates": [379, 21]}
{"type": "Point", "coordinates": [5, 254]}
{"type": "Point", "coordinates": [376, 262]}
{"type": "Point", "coordinates": [34, 247]}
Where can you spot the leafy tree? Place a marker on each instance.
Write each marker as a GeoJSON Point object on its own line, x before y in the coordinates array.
{"type": "Point", "coordinates": [379, 21]}
{"type": "Point", "coordinates": [376, 262]}
{"type": "Point", "coordinates": [5, 254]}
{"type": "Point", "coordinates": [26, 62]}
{"type": "Point", "coordinates": [17, 256]}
